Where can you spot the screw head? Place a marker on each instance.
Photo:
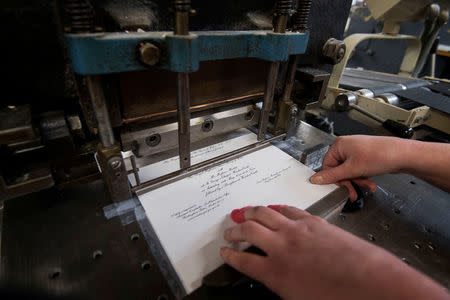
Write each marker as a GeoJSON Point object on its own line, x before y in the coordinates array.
{"type": "Point", "coordinates": [115, 164]}
{"type": "Point", "coordinates": [149, 54]}
{"type": "Point", "coordinates": [207, 125]}
{"type": "Point", "coordinates": [153, 140]}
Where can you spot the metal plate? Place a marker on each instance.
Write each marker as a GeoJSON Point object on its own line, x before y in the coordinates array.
{"type": "Point", "coordinates": [409, 218]}
{"type": "Point", "coordinates": [50, 239]}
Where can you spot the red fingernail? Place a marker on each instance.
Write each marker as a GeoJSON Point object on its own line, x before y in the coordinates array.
{"type": "Point", "coordinates": [237, 215]}
{"type": "Point", "coordinates": [276, 207]}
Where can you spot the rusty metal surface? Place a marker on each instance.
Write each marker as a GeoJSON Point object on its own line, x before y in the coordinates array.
{"type": "Point", "coordinates": [153, 91]}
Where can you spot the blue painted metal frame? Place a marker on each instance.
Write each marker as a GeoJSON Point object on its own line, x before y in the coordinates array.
{"type": "Point", "coordinates": [103, 53]}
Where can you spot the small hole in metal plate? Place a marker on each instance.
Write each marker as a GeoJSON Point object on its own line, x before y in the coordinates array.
{"type": "Point", "coordinates": [145, 265]}
{"type": "Point", "coordinates": [163, 297]}
{"type": "Point", "coordinates": [397, 211]}
{"type": "Point", "coordinates": [405, 260]}
{"type": "Point", "coordinates": [385, 227]}
{"type": "Point", "coordinates": [54, 275]}
{"type": "Point", "coordinates": [431, 246]}
{"type": "Point", "coordinates": [371, 237]}
{"type": "Point", "coordinates": [417, 245]}
{"type": "Point", "coordinates": [412, 182]}
{"type": "Point", "coordinates": [153, 140]}
{"type": "Point", "coordinates": [97, 254]}
{"type": "Point", "coordinates": [342, 217]}
{"type": "Point", "coordinates": [134, 237]}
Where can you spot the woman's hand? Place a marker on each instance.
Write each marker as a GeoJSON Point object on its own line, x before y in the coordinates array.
{"type": "Point", "coordinates": [307, 258]}
{"type": "Point", "coordinates": [356, 158]}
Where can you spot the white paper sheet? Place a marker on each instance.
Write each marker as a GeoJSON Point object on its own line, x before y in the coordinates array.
{"type": "Point", "coordinates": [190, 216]}
{"type": "Point", "coordinates": [172, 164]}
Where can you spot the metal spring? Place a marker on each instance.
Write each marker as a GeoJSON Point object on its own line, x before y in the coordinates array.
{"type": "Point", "coordinates": [80, 15]}
{"type": "Point", "coordinates": [283, 7]}
{"type": "Point", "coordinates": [302, 15]}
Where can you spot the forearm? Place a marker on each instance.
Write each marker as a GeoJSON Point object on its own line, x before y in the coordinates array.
{"type": "Point", "coordinates": [393, 279]}
{"type": "Point", "coordinates": [428, 161]}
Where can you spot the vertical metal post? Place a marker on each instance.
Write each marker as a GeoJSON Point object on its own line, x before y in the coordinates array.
{"type": "Point", "coordinates": [283, 10]}
{"type": "Point", "coordinates": [182, 9]}
{"type": "Point", "coordinates": [100, 110]}
{"type": "Point", "coordinates": [433, 65]}
{"type": "Point", "coordinates": [108, 154]}
{"type": "Point", "coordinates": [184, 119]}
{"type": "Point", "coordinates": [268, 99]}
{"type": "Point", "coordinates": [135, 170]}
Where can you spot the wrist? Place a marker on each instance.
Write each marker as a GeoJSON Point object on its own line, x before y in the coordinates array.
{"type": "Point", "coordinates": [405, 155]}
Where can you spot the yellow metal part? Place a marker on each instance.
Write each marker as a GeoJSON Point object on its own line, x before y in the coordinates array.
{"type": "Point", "coordinates": [398, 10]}
{"type": "Point", "coordinates": [409, 60]}
{"type": "Point", "coordinates": [438, 120]}
{"type": "Point", "coordinates": [413, 118]}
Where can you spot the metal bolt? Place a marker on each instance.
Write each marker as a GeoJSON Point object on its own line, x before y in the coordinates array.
{"type": "Point", "coordinates": [207, 125]}
{"type": "Point", "coordinates": [115, 164]}
{"type": "Point", "coordinates": [149, 54]}
{"type": "Point", "coordinates": [293, 112]}
{"type": "Point", "coordinates": [145, 265]}
{"type": "Point", "coordinates": [97, 254]}
{"type": "Point", "coordinates": [334, 51]}
{"type": "Point", "coordinates": [153, 140]}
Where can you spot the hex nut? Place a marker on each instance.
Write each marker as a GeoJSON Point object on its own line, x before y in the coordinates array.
{"type": "Point", "coordinates": [334, 51]}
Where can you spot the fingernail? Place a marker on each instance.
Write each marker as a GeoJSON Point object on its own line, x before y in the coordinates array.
{"type": "Point", "coordinates": [316, 179]}
{"type": "Point", "coordinates": [276, 207]}
{"type": "Point", "coordinates": [237, 215]}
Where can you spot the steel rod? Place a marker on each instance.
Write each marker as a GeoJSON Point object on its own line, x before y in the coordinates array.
{"type": "Point", "coordinates": [135, 170]}
{"type": "Point", "coordinates": [184, 119]}
{"type": "Point", "coordinates": [105, 130]}
{"type": "Point", "coordinates": [268, 99]}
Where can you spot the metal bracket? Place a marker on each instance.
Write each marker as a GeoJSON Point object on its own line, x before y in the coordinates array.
{"type": "Point", "coordinates": [409, 60]}
{"type": "Point", "coordinates": [103, 53]}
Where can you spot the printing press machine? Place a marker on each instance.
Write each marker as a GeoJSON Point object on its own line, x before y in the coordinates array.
{"type": "Point", "coordinates": [99, 89]}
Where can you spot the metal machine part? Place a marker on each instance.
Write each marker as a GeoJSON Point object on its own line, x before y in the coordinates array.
{"type": "Point", "coordinates": [349, 100]}
{"type": "Point", "coordinates": [108, 155]}
{"type": "Point", "coordinates": [311, 87]}
{"type": "Point", "coordinates": [182, 10]}
{"type": "Point", "coordinates": [161, 138]}
{"type": "Point", "coordinates": [378, 83]}
{"type": "Point", "coordinates": [436, 18]}
{"type": "Point", "coordinates": [283, 10]}
{"type": "Point", "coordinates": [390, 98]}
{"type": "Point", "coordinates": [334, 50]}
{"type": "Point", "coordinates": [366, 93]}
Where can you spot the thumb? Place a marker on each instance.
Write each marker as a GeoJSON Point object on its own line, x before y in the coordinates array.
{"type": "Point", "coordinates": [332, 175]}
